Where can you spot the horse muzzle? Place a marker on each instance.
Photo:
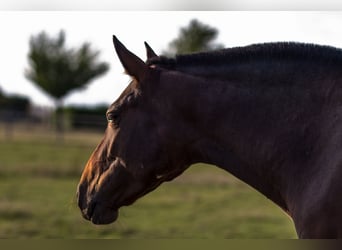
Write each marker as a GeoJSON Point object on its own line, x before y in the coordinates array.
{"type": "Point", "coordinates": [93, 210]}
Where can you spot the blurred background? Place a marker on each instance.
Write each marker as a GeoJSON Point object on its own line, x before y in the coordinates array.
{"type": "Point", "coordinates": [58, 75]}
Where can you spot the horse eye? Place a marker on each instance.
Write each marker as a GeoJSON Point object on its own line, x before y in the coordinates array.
{"type": "Point", "coordinates": [113, 118]}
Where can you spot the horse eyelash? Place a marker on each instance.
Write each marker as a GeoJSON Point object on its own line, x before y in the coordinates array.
{"type": "Point", "coordinates": [113, 117]}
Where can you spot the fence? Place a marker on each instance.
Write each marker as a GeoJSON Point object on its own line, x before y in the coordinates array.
{"type": "Point", "coordinates": [44, 120]}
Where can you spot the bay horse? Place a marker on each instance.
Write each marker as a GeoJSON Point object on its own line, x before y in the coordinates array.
{"type": "Point", "coordinates": [270, 114]}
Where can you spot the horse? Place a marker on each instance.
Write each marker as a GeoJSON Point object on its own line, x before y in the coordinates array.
{"type": "Point", "coordinates": [270, 114]}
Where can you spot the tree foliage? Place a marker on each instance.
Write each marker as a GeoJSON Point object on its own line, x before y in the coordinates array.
{"type": "Point", "coordinates": [14, 103]}
{"type": "Point", "coordinates": [57, 69]}
{"type": "Point", "coordinates": [195, 37]}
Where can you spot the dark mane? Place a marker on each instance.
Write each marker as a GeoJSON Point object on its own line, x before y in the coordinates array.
{"type": "Point", "coordinates": [281, 51]}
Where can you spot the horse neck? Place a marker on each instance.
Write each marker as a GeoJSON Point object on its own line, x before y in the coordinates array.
{"type": "Point", "coordinates": [222, 116]}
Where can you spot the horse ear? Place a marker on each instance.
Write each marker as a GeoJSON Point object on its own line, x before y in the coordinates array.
{"type": "Point", "coordinates": [149, 51]}
{"type": "Point", "coordinates": [133, 65]}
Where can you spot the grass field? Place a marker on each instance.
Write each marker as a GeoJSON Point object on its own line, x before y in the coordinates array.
{"type": "Point", "coordinates": [38, 179]}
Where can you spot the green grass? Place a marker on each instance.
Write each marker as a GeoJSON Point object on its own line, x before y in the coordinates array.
{"type": "Point", "coordinates": [38, 179]}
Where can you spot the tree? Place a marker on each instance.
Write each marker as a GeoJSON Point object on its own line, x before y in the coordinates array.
{"type": "Point", "coordinates": [13, 108]}
{"type": "Point", "coordinates": [58, 70]}
{"type": "Point", "coordinates": [194, 38]}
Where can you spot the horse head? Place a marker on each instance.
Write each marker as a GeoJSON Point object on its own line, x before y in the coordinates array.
{"type": "Point", "coordinates": [142, 146]}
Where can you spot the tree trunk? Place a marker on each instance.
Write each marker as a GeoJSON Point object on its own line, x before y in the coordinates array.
{"type": "Point", "coordinates": [59, 120]}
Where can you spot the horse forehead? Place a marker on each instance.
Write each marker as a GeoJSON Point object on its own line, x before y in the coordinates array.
{"type": "Point", "coordinates": [128, 90]}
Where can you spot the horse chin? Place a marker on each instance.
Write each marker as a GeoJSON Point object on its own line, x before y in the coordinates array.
{"type": "Point", "coordinates": [104, 215]}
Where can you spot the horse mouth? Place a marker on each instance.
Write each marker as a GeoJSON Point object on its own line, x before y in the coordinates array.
{"type": "Point", "coordinates": [99, 214]}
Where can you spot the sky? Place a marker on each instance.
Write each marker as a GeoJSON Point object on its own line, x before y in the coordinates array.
{"type": "Point", "coordinates": [158, 28]}
{"type": "Point", "coordinates": [171, 5]}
